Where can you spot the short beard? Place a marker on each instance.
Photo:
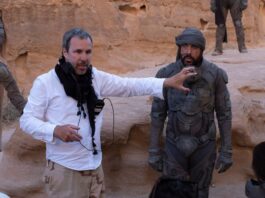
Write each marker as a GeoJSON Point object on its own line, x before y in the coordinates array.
{"type": "Point", "coordinates": [195, 63]}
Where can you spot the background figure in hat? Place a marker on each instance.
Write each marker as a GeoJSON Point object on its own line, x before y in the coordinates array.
{"type": "Point", "coordinates": [189, 151]}
{"type": "Point", "coordinates": [220, 9]}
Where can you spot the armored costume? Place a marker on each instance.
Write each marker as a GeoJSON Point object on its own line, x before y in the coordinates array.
{"type": "Point", "coordinates": [220, 8]}
{"type": "Point", "coordinates": [190, 146]}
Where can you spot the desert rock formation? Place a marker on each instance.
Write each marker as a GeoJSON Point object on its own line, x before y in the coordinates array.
{"type": "Point", "coordinates": [130, 35]}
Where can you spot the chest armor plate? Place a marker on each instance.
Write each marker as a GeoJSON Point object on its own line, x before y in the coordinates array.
{"type": "Point", "coordinates": [191, 113]}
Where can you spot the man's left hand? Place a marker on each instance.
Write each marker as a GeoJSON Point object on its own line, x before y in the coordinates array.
{"type": "Point", "coordinates": [177, 80]}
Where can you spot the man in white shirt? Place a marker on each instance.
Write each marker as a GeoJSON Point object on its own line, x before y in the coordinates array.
{"type": "Point", "coordinates": [63, 110]}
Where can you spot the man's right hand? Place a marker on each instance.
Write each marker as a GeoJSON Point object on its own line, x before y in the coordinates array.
{"type": "Point", "coordinates": [178, 79]}
{"type": "Point", "coordinates": [156, 162]}
{"type": "Point", "coordinates": [67, 133]}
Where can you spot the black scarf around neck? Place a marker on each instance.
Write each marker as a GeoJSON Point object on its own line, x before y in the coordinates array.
{"type": "Point", "coordinates": [81, 89]}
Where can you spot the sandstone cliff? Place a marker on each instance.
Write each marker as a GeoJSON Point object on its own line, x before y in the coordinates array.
{"type": "Point", "coordinates": [130, 35]}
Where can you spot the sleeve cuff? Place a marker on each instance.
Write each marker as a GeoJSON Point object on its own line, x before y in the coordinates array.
{"type": "Point", "coordinates": [159, 87]}
{"type": "Point", "coordinates": [49, 131]}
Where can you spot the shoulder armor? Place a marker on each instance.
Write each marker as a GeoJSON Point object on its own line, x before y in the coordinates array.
{"type": "Point", "coordinates": [223, 74]}
{"type": "Point", "coordinates": [215, 71]}
{"type": "Point", "coordinates": [168, 71]}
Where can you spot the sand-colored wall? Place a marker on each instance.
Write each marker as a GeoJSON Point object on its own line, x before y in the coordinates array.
{"type": "Point", "coordinates": [128, 34]}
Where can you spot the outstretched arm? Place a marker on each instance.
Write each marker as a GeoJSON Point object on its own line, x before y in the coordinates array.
{"type": "Point", "coordinates": [113, 85]}
{"type": "Point", "coordinates": [177, 80]}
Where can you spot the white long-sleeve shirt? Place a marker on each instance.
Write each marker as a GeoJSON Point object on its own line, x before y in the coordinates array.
{"type": "Point", "coordinates": [49, 106]}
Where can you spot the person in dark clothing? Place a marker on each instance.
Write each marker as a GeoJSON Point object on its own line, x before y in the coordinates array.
{"type": "Point", "coordinates": [256, 188]}
{"type": "Point", "coordinates": [221, 8]}
{"type": "Point", "coordinates": [8, 82]}
{"type": "Point", "coordinates": [189, 152]}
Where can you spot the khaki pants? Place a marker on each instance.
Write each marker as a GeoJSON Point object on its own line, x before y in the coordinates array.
{"type": "Point", "coordinates": [61, 182]}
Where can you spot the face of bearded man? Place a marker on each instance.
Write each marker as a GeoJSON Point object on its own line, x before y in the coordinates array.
{"type": "Point", "coordinates": [79, 54]}
{"type": "Point", "coordinates": [190, 55]}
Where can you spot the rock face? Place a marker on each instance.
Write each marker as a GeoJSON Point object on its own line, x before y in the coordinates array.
{"type": "Point", "coordinates": [21, 166]}
{"type": "Point", "coordinates": [129, 35]}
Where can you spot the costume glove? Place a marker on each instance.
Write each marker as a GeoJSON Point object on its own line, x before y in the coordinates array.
{"type": "Point", "coordinates": [224, 161]}
{"type": "Point", "coordinates": [155, 160]}
{"type": "Point", "coordinates": [243, 4]}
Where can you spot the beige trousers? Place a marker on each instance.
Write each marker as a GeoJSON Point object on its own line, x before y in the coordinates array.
{"type": "Point", "coordinates": [61, 182]}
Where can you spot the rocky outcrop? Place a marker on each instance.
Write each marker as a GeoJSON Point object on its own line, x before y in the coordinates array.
{"type": "Point", "coordinates": [128, 34]}
{"type": "Point", "coordinates": [22, 164]}
{"type": "Point", "coordinates": [125, 148]}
